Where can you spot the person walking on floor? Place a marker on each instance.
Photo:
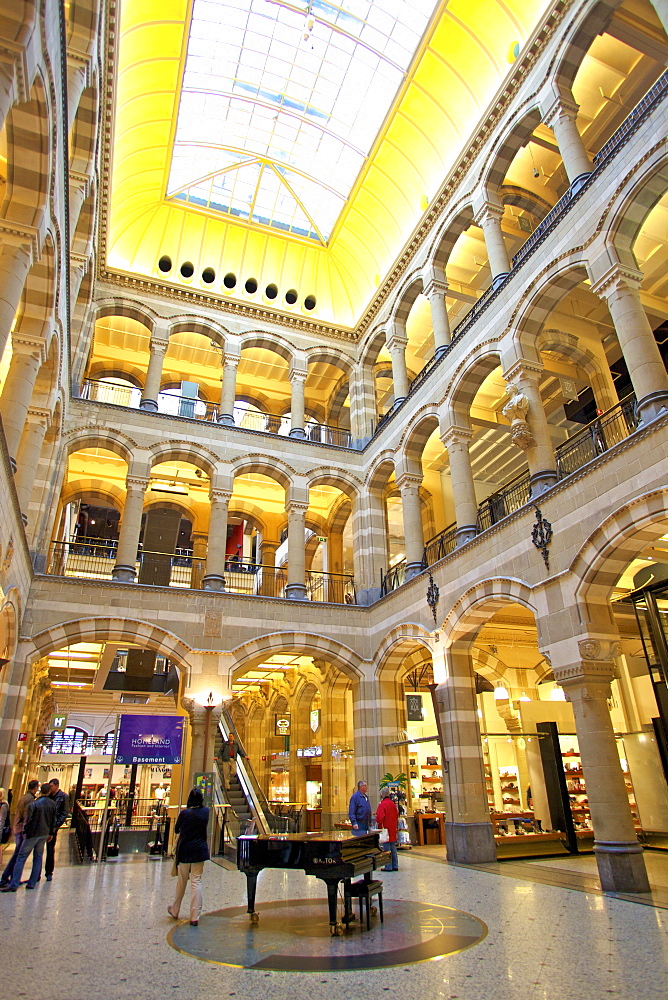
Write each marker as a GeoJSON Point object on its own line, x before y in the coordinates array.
{"type": "Point", "coordinates": [39, 826]}
{"type": "Point", "coordinates": [192, 850]}
{"type": "Point", "coordinates": [5, 825]}
{"type": "Point", "coordinates": [62, 812]}
{"type": "Point", "coordinates": [17, 829]}
{"type": "Point", "coordinates": [359, 810]}
{"type": "Point", "coordinates": [387, 815]}
{"type": "Point", "coordinates": [228, 757]}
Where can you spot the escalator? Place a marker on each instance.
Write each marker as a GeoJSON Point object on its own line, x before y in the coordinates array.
{"type": "Point", "coordinates": [248, 807]}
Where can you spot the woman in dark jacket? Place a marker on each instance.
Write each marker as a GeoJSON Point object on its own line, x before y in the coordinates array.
{"type": "Point", "coordinates": [192, 851]}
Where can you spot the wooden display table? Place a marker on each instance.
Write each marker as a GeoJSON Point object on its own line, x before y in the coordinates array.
{"type": "Point", "coordinates": [427, 835]}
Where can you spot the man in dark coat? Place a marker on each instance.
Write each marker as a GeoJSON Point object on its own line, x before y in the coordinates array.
{"type": "Point", "coordinates": [62, 812]}
{"type": "Point", "coordinates": [39, 827]}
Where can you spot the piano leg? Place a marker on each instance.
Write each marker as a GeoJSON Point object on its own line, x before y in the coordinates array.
{"type": "Point", "coordinates": [335, 928]}
{"type": "Point", "coordinates": [251, 886]}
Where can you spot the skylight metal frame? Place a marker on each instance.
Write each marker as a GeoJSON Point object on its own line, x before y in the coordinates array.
{"type": "Point", "coordinates": [301, 153]}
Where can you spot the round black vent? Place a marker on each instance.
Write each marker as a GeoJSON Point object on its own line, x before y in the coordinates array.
{"type": "Point", "coordinates": [165, 264]}
{"type": "Point", "coordinates": [187, 270]}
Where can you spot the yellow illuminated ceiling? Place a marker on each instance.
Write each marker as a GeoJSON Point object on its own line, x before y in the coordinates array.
{"type": "Point", "coordinates": [459, 65]}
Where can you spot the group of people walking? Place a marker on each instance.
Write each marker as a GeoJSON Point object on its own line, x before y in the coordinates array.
{"type": "Point", "coordinates": [387, 818]}
{"type": "Point", "coordinates": [39, 815]}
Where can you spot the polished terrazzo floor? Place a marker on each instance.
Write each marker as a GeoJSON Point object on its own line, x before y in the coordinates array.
{"type": "Point", "coordinates": [102, 931]}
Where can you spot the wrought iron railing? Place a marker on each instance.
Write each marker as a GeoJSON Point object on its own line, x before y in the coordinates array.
{"type": "Point", "coordinates": [597, 437]}
{"type": "Point", "coordinates": [505, 501]}
{"type": "Point", "coordinates": [393, 579]}
{"type": "Point", "coordinates": [332, 588]}
{"type": "Point", "coordinates": [440, 545]}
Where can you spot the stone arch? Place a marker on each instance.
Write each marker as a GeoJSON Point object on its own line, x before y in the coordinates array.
{"type": "Point", "coordinates": [115, 441]}
{"type": "Point", "coordinates": [10, 619]}
{"type": "Point", "coordinates": [82, 25]}
{"type": "Point", "coordinates": [480, 363]}
{"type": "Point", "coordinates": [381, 470]}
{"type": "Point", "coordinates": [568, 345]}
{"type": "Point", "coordinates": [88, 489]}
{"type": "Point", "coordinates": [517, 131]}
{"type": "Point", "coordinates": [107, 629]}
{"type": "Point", "coordinates": [127, 308]}
{"type": "Point", "coordinates": [612, 546]}
{"type": "Point", "coordinates": [634, 205]}
{"type": "Point", "coordinates": [415, 438]}
{"type": "Point", "coordinates": [343, 481]}
{"type": "Point", "coordinates": [268, 342]}
{"type": "Point", "coordinates": [331, 356]}
{"type": "Point", "coordinates": [393, 648]}
{"type": "Point", "coordinates": [35, 313]}
{"type": "Point", "coordinates": [372, 346]}
{"type": "Point", "coordinates": [82, 239]}
{"type": "Point", "coordinates": [577, 39]}
{"type": "Point", "coordinates": [406, 298]}
{"type": "Point", "coordinates": [511, 194]}
{"type": "Point", "coordinates": [84, 131]}
{"type": "Point", "coordinates": [28, 130]}
{"type": "Point", "coordinates": [321, 647]}
{"type": "Point", "coordinates": [264, 466]}
{"type": "Point", "coordinates": [250, 513]}
{"type": "Point", "coordinates": [205, 328]}
{"type": "Point", "coordinates": [183, 451]}
{"type": "Point", "coordinates": [449, 231]}
{"type": "Point", "coordinates": [478, 604]}
{"type": "Point", "coordinates": [548, 291]}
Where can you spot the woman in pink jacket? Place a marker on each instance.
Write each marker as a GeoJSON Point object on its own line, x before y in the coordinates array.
{"type": "Point", "coordinates": [387, 815]}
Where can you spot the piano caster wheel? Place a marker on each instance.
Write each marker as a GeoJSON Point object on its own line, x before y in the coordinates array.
{"type": "Point", "coordinates": [254, 918]}
{"type": "Point", "coordinates": [374, 911]}
{"type": "Point", "coordinates": [336, 930]}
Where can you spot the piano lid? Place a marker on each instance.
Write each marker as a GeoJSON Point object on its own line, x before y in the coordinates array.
{"type": "Point", "coordinates": [335, 836]}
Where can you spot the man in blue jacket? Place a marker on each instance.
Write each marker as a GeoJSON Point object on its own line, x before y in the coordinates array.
{"type": "Point", "coordinates": [359, 810]}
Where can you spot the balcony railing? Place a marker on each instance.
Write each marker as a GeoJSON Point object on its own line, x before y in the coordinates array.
{"type": "Point", "coordinates": [198, 409]}
{"type": "Point", "coordinates": [597, 437]}
{"type": "Point", "coordinates": [654, 96]}
{"type": "Point", "coordinates": [94, 559]}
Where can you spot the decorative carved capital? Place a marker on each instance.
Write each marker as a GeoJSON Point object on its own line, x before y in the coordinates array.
{"type": "Point", "coordinates": [219, 497]}
{"type": "Point", "coordinates": [231, 361]}
{"type": "Point", "coordinates": [136, 484]}
{"type": "Point", "coordinates": [295, 508]}
{"type": "Point", "coordinates": [435, 287]}
{"type": "Point", "coordinates": [617, 280]}
{"type": "Point", "coordinates": [488, 212]}
{"type": "Point", "coordinates": [298, 375]}
{"type": "Point", "coordinates": [159, 346]}
{"type": "Point", "coordinates": [457, 438]}
{"type": "Point", "coordinates": [562, 108]}
{"type": "Point", "coordinates": [409, 482]}
{"type": "Point", "coordinates": [599, 649]}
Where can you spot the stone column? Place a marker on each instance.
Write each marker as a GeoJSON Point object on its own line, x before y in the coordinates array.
{"type": "Point", "coordinates": [456, 440]}
{"type": "Point", "coordinates": [7, 89]}
{"type": "Point", "coordinates": [586, 683]}
{"type": "Point", "coordinates": [79, 265]}
{"type": "Point", "coordinates": [297, 381]}
{"type": "Point", "coordinates": [128, 538]}
{"type": "Point", "coordinates": [436, 292]}
{"type": "Point", "coordinates": [561, 118]}
{"type": "Point", "coordinates": [268, 562]}
{"type": "Point", "coordinates": [370, 552]}
{"type": "Point", "coordinates": [18, 389]}
{"type": "Point", "coordinates": [396, 345]}
{"type": "Point", "coordinates": [363, 414]}
{"type": "Point", "coordinates": [27, 460]}
{"type": "Point", "coordinates": [619, 287]}
{"type": "Point", "coordinates": [489, 220]}
{"type": "Point", "coordinates": [214, 578]}
{"type": "Point", "coordinates": [531, 434]}
{"type": "Point", "coordinates": [409, 487]}
{"type": "Point", "coordinates": [201, 720]}
{"type": "Point", "coordinates": [469, 836]}
{"type": "Point", "coordinates": [149, 397]}
{"type": "Point", "coordinates": [199, 541]}
{"type": "Point", "coordinates": [15, 261]}
{"type": "Point", "coordinates": [228, 390]}
{"type": "Point", "coordinates": [369, 753]}
{"type": "Point", "coordinates": [296, 585]}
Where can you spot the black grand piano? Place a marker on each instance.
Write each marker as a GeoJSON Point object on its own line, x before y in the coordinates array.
{"type": "Point", "coordinates": [332, 857]}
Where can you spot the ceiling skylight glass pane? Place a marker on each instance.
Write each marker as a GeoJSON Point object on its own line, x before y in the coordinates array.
{"type": "Point", "coordinates": [300, 89]}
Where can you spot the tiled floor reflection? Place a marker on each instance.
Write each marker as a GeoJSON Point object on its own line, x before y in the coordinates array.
{"type": "Point", "coordinates": [102, 932]}
{"type": "Point", "coordinates": [293, 935]}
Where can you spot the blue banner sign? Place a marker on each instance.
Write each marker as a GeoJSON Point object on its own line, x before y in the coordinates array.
{"type": "Point", "coordinates": [150, 739]}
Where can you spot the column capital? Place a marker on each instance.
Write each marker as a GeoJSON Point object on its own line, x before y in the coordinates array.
{"type": "Point", "coordinates": [38, 413]}
{"type": "Point", "coordinates": [617, 278]}
{"type": "Point", "coordinates": [21, 239]}
{"type": "Point", "coordinates": [137, 483]}
{"type": "Point", "coordinates": [298, 375]}
{"type": "Point", "coordinates": [561, 107]}
{"type": "Point", "coordinates": [456, 437]}
{"type": "Point", "coordinates": [231, 361]}
{"type": "Point", "coordinates": [409, 481]}
{"type": "Point", "coordinates": [488, 210]}
{"type": "Point", "coordinates": [396, 340]}
{"type": "Point", "coordinates": [23, 344]}
{"type": "Point", "coordinates": [523, 370]}
{"type": "Point", "coordinates": [296, 507]}
{"type": "Point", "coordinates": [158, 345]}
{"type": "Point", "coordinates": [435, 286]}
{"type": "Point", "coordinates": [220, 496]}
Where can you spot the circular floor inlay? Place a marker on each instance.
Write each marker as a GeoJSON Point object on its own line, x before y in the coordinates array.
{"type": "Point", "coordinates": [293, 936]}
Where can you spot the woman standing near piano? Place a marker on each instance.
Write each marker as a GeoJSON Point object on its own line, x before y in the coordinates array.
{"type": "Point", "coordinates": [387, 815]}
{"type": "Point", "coordinates": [192, 850]}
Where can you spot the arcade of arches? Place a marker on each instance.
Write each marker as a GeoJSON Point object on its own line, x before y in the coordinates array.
{"type": "Point", "coordinates": [224, 502]}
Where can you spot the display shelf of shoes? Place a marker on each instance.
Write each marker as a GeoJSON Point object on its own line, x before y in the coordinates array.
{"type": "Point", "coordinates": [510, 792]}
{"type": "Point", "coordinates": [577, 790]}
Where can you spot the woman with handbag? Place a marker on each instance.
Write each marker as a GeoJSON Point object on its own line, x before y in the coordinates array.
{"type": "Point", "coordinates": [387, 816]}
{"type": "Point", "coordinates": [190, 853]}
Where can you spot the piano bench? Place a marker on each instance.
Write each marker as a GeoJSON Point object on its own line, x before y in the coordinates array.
{"type": "Point", "coordinates": [364, 891]}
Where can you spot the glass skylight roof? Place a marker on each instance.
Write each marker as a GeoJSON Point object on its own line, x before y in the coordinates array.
{"type": "Point", "coordinates": [281, 103]}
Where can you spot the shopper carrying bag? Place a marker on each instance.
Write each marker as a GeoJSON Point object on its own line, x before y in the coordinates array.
{"type": "Point", "coordinates": [191, 851]}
